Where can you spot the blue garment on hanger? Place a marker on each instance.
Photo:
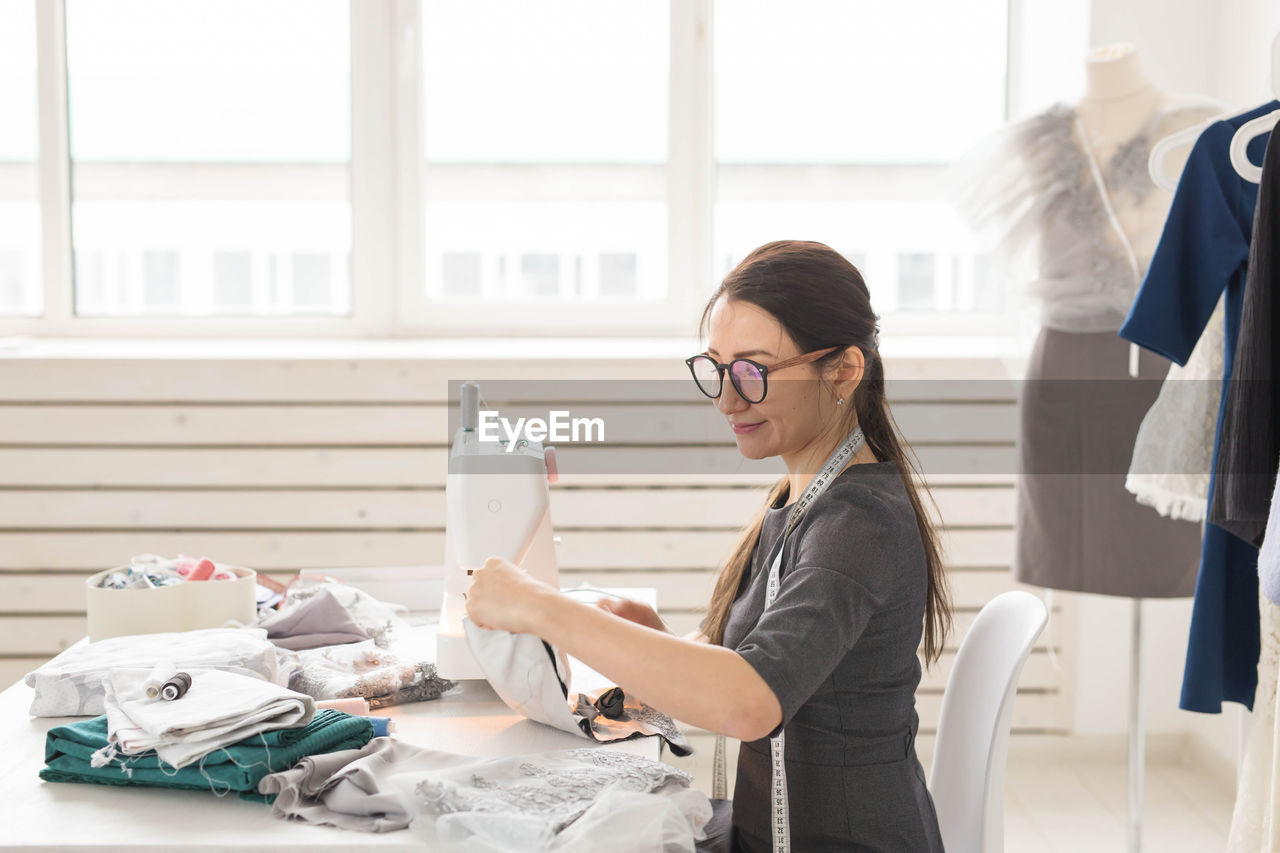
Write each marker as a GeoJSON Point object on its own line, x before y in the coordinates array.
{"type": "Point", "coordinates": [1203, 250]}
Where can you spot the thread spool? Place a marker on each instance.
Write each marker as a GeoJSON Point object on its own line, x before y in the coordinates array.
{"type": "Point", "coordinates": [203, 570]}
{"type": "Point", "coordinates": [175, 687]}
{"type": "Point", "coordinates": [382, 726]}
{"type": "Point", "coordinates": [357, 705]}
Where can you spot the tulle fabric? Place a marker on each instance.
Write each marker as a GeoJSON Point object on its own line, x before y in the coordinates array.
{"type": "Point", "coordinates": [1030, 193]}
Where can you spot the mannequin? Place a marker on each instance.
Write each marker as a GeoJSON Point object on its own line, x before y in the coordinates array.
{"type": "Point", "coordinates": [1071, 187]}
{"type": "Point", "coordinates": [1119, 98]}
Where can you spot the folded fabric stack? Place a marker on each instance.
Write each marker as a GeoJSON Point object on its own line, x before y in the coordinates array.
{"type": "Point", "coordinates": [219, 709]}
{"type": "Point", "coordinates": [70, 751]}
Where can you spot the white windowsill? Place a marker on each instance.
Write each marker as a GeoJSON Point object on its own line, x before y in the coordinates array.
{"type": "Point", "coordinates": [452, 349]}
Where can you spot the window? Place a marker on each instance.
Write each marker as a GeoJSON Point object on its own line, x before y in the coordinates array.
{"type": "Point", "coordinates": [846, 141]}
{"type": "Point", "coordinates": [205, 134]}
{"type": "Point", "coordinates": [20, 260]}
{"type": "Point", "coordinates": [545, 128]}
{"type": "Point", "coordinates": [421, 167]}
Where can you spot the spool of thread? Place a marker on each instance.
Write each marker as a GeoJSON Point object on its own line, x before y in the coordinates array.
{"type": "Point", "coordinates": [382, 726]}
{"type": "Point", "coordinates": [175, 687]}
{"type": "Point", "coordinates": [355, 705]}
{"type": "Point", "coordinates": [202, 571]}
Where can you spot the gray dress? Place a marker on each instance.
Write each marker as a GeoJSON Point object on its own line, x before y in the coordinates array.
{"type": "Point", "coordinates": [838, 648]}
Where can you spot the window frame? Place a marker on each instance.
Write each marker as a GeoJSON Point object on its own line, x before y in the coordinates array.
{"type": "Point", "coordinates": [387, 193]}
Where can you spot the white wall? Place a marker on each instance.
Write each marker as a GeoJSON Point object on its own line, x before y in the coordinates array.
{"type": "Point", "coordinates": [1219, 48]}
{"type": "Point", "coordinates": [1102, 655]}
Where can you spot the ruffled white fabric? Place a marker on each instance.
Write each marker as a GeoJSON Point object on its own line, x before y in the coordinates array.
{"type": "Point", "coordinates": [1173, 452]}
{"type": "Point", "coordinates": [1030, 190]}
{"type": "Point", "coordinates": [1255, 823]}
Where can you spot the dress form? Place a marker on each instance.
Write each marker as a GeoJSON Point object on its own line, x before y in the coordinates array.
{"type": "Point", "coordinates": [1119, 100]}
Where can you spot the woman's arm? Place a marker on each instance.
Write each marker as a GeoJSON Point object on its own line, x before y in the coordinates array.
{"type": "Point", "coordinates": [644, 615]}
{"type": "Point", "coordinates": [707, 686]}
{"type": "Point", "coordinates": [692, 680]}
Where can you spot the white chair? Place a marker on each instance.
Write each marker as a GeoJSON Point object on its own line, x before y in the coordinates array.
{"type": "Point", "coordinates": [967, 778]}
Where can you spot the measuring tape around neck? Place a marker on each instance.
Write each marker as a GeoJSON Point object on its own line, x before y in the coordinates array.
{"type": "Point", "coordinates": [780, 810]}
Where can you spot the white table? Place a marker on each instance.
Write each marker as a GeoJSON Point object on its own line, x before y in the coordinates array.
{"type": "Point", "coordinates": [49, 816]}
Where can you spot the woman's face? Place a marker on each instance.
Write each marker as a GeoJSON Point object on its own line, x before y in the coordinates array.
{"type": "Point", "coordinates": [797, 409]}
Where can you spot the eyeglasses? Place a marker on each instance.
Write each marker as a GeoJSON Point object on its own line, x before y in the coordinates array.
{"type": "Point", "coordinates": [750, 378]}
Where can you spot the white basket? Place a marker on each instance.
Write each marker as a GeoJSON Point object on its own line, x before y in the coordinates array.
{"type": "Point", "coordinates": [186, 606]}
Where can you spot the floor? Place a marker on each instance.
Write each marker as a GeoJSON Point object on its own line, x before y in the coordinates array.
{"type": "Point", "coordinates": [1067, 794]}
{"type": "Point", "coordinates": [1073, 804]}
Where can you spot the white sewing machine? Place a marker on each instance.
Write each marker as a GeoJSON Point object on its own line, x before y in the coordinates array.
{"type": "Point", "coordinates": [497, 503]}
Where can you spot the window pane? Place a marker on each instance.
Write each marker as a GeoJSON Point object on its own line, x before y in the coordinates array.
{"type": "Point", "coordinates": [916, 281]}
{"type": "Point", "coordinates": [545, 131]}
{"type": "Point", "coordinates": [885, 239]}
{"type": "Point", "coordinates": [566, 81]}
{"type": "Point", "coordinates": [541, 274]}
{"type": "Point", "coordinates": [618, 273]}
{"type": "Point", "coordinates": [853, 89]}
{"type": "Point", "coordinates": [19, 179]}
{"type": "Point", "coordinates": [207, 138]}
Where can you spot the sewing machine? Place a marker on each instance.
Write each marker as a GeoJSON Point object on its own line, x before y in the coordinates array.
{"type": "Point", "coordinates": [497, 503]}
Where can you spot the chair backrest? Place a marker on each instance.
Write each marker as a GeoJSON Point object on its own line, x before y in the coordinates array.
{"type": "Point", "coordinates": [967, 777]}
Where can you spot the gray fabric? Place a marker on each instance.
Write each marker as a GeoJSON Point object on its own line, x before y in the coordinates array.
{"type": "Point", "coordinates": [1077, 527]}
{"type": "Point", "coordinates": [349, 789]}
{"type": "Point", "coordinates": [320, 620]}
{"type": "Point", "coordinates": [838, 648]}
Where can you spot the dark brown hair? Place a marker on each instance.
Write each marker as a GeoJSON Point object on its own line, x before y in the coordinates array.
{"type": "Point", "coordinates": [821, 300]}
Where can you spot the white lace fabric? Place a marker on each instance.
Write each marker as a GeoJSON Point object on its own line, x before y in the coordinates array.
{"type": "Point", "coordinates": [577, 799]}
{"type": "Point", "coordinates": [1255, 822]}
{"type": "Point", "coordinates": [1173, 451]}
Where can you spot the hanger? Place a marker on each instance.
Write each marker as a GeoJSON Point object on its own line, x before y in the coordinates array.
{"type": "Point", "coordinates": [1256, 127]}
{"type": "Point", "coordinates": [1155, 163]}
{"type": "Point", "coordinates": [1260, 126]}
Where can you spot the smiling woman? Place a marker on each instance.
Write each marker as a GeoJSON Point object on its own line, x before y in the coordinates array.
{"type": "Point", "coordinates": [835, 636]}
{"type": "Point", "coordinates": [810, 657]}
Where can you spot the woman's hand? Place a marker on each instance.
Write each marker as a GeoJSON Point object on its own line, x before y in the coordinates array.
{"type": "Point", "coordinates": [634, 611]}
{"type": "Point", "coordinates": [505, 597]}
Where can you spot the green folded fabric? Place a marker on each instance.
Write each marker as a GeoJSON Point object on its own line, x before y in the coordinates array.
{"type": "Point", "coordinates": [239, 767]}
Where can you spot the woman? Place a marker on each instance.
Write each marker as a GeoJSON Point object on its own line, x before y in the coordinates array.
{"type": "Point", "coordinates": [833, 658]}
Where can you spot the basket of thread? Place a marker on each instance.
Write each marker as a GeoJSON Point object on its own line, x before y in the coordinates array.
{"type": "Point", "coordinates": [155, 594]}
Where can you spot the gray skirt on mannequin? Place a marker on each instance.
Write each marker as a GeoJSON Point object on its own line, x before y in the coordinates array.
{"type": "Point", "coordinates": [1077, 528]}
